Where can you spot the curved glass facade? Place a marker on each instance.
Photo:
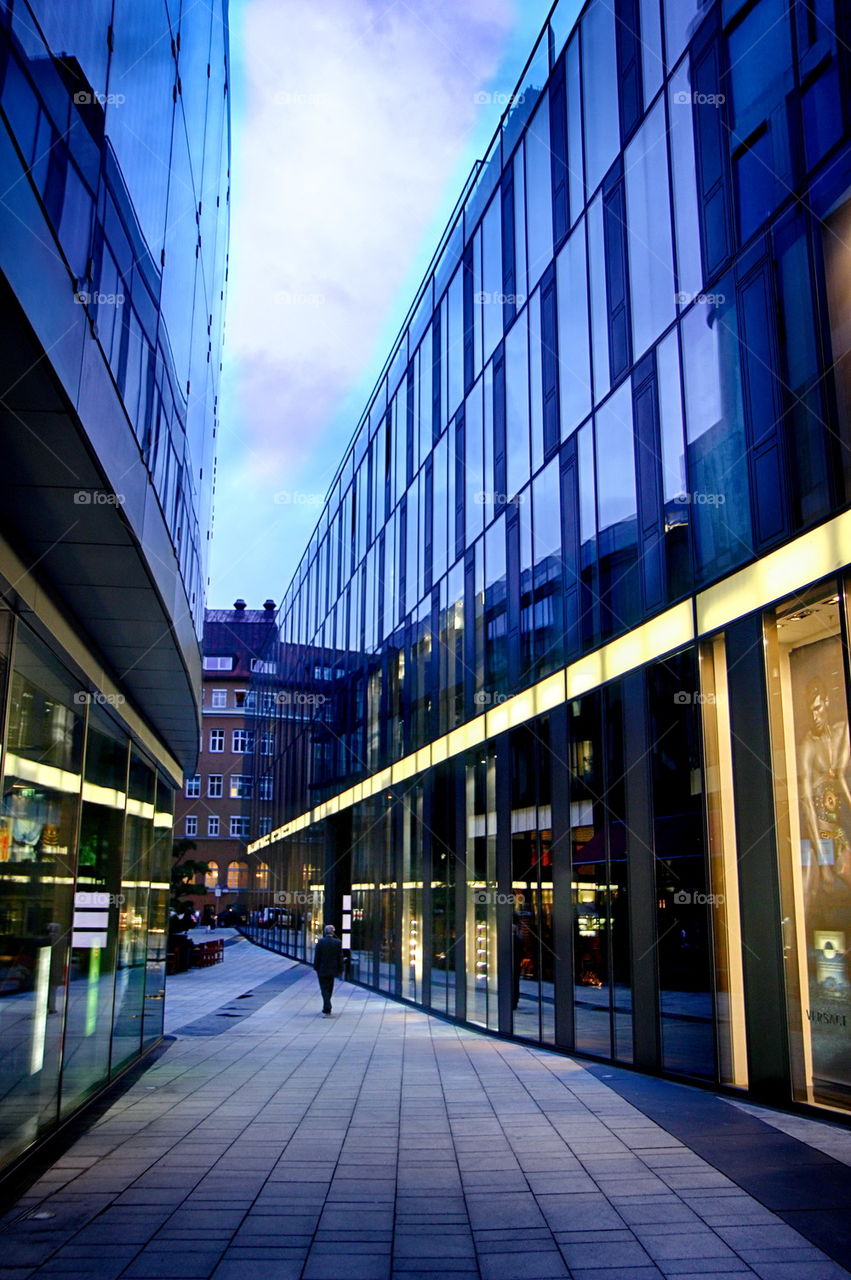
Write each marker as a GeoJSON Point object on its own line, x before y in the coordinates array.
{"type": "Point", "coordinates": [114, 151]}
{"type": "Point", "coordinates": [613, 428]}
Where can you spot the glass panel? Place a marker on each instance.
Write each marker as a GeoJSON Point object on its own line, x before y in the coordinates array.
{"type": "Point", "coordinates": [41, 788]}
{"type": "Point", "coordinates": [158, 910]}
{"type": "Point", "coordinates": [133, 917]}
{"type": "Point", "coordinates": [717, 456]}
{"type": "Point", "coordinates": [674, 478]}
{"type": "Point", "coordinates": [590, 879]}
{"type": "Point", "coordinates": [599, 308]}
{"type": "Point", "coordinates": [517, 406]}
{"type": "Point", "coordinates": [681, 21]}
{"type": "Point", "coordinates": [547, 569]}
{"type": "Point", "coordinates": [574, 357]}
{"type": "Point", "coordinates": [682, 891]}
{"type": "Point", "coordinates": [650, 250]}
{"type": "Point", "coordinates": [92, 972]}
{"type": "Point", "coordinates": [443, 928]}
{"type": "Point", "coordinates": [539, 199]}
{"type": "Point", "coordinates": [492, 307]}
{"type": "Point", "coordinates": [600, 90]}
{"type": "Point", "coordinates": [652, 67]}
{"type": "Point", "coordinates": [525, 888]}
{"type": "Point", "coordinates": [808, 709]}
{"type": "Point", "coordinates": [576, 167]}
{"type": "Point", "coordinates": [621, 966]}
{"type": "Point", "coordinates": [481, 889]}
{"type": "Point", "coordinates": [617, 512]}
{"type": "Point", "coordinates": [723, 871]}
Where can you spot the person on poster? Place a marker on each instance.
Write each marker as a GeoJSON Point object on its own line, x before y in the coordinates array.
{"type": "Point", "coordinates": [824, 762]}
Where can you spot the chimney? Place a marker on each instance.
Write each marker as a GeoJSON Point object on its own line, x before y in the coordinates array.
{"type": "Point", "coordinates": [269, 606]}
{"type": "Point", "coordinates": [239, 606]}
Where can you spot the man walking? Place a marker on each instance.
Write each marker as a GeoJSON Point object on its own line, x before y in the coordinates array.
{"type": "Point", "coordinates": [328, 963]}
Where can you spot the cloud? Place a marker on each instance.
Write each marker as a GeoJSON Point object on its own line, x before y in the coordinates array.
{"type": "Point", "coordinates": [352, 132]}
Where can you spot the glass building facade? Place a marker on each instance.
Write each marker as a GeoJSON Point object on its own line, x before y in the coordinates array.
{"type": "Point", "coordinates": [114, 153]}
{"type": "Point", "coordinates": [571, 755]}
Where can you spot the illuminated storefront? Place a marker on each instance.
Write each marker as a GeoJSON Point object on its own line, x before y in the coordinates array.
{"type": "Point", "coordinates": [571, 628]}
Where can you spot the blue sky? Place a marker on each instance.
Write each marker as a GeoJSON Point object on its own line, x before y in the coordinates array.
{"type": "Point", "coordinates": [355, 124]}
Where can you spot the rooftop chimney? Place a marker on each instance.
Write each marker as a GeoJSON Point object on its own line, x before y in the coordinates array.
{"type": "Point", "coordinates": [269, 606]}
{"type": "Point", "coordinates": [239, 605]}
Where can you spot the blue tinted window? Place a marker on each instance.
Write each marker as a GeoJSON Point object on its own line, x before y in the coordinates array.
{"type": "Point", "coordinates": [455, 342]}
{"type": "Point", "coordinates": [599, 308]}
{"type": "Point", "coordinates": [651, 49]}
{"type": "Point", "coordinates": [617, 512]}
{"type": "Point", "coordinates": [681, 19]}
{"type": "Point", "coordinates": [492, 278]}
{"type": "Point", "coordinates": [686, 223]}
{"type": "Point", "coordinates": [650, 250]}
{"type": "Point", "coordinates": [517, 406]}
{"type": "Point", "coordinates": [717, 454]}
{"type": "Point", "coordinates": [473, 464]}
{"type": "Point", "coordinates": [574, 356]}
{"type": "Point", "coordinates": [600, 90]}
{"type": "Point", "coordinates": [539, 203]}
{"type": "Point", "coordinates": [576, 168]}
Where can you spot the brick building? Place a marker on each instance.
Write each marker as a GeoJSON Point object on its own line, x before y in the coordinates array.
{"type": "Point", "coordinates": [213, 809]}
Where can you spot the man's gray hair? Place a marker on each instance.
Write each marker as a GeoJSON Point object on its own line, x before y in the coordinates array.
{"type": "Point", "coordinates": [329, 929]}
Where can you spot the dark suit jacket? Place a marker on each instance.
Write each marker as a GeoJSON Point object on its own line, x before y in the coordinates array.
{"type": "Point", "coordinates": [328, 958]}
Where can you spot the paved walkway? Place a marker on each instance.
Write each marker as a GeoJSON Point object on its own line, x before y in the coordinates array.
{"type": "Point", "coordinates": [269, 1143]}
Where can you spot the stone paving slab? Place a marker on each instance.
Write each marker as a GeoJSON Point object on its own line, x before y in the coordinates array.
{"type": "Point", "coordinates": [383, 1144]}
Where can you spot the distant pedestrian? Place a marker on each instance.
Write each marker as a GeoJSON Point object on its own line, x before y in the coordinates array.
{"type": "Point", "coordinates": [328, 963]}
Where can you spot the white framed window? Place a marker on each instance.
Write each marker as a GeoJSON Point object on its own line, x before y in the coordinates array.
{"type": "Point", "coordinates": [191, 824]}
{"type": "Point", "coordinates": [265, 792]}
{"type": "Point", "coordinates": [263, 668]}
{"type": "Point", "coordinates": [240, 786]}
{"type": "Point", "coordinates": [242, 740]}
{"type": "Point", "coordinates": [239, 825]}
{"type": "Point", "coordinates": [218, 698]}
{"type": "Point", "coordinates": [214, 786]}
{"type": "Point", "coordinates": [267, 742]}
{"type": "Point", "coordinates": [217, 739]}
{"type": "Point", "coordinates": [213, 824]}
{"type": "Point", "coordinates": [193, 787]}
{"type": "Point", "coordinates": [264, 826]}
{"type": "Point", "coordinates": [214, 662]}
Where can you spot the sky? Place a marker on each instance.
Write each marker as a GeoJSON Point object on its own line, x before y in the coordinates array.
{"type": "Point", "coordinates": [354, 126]}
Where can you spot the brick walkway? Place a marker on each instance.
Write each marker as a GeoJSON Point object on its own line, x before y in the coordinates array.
{"type": "Point", "coordinates": [269, 1143]}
